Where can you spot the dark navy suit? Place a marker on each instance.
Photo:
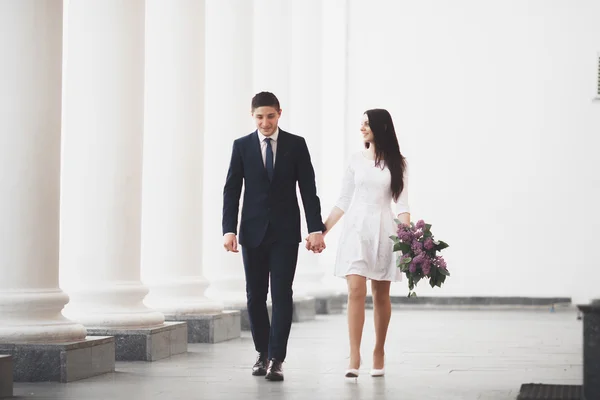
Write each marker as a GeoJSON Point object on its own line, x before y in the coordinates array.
{"type": "Point", "coordinates": [269, 232]}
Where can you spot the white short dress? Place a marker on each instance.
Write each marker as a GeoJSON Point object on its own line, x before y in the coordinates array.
{"type": "Point", "coordinates": [365, 247]}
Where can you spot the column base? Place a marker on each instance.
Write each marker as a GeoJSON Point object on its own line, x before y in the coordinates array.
{"type": "Point", "coordinates": [211, 328]}
{"type": "Point", "coordinates": [6, 376]}
{"type": "Point", "coordinates": [61, 362]}
{"type": "Point", "coordinates": [331, 304]}
{"type": "Point", "coordinates": [305, 309]}
{"type": "Point", "coordinates": [146, 344]}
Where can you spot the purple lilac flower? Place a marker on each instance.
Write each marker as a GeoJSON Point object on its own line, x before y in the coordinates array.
{"type": "Point", "coordinates": [417, 247]}
{"type": "Point", "coordinates": [440, 262]}
{"type": "Point", "coordinates": [428, 244]}
{"type": "Point", "coordinates": [426, 266]}
{"type": "Point", "coordinates": [420, 224]}
{"type": "Point", "coordinates": [405, 236]}
{"type": "Point", "coordinates": [412, 267]}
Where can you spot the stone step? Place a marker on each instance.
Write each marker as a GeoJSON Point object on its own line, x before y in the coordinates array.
{"type": "Point", "coordinates": [146, 344]}
{"type": "Point", "coordinates": [211, 328]}
{"type": "Point", "coordinates": [6, 376]}
{"type": "Point", "coordinates": [61, 362]}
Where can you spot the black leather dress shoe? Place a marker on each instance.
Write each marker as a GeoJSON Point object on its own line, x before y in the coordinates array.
{"type": "Point", "coordinates": [260, 366]}
{"type": "Point", "coordinates": [275, 371]}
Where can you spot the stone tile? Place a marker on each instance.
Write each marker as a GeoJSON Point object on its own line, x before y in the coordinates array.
{"type": "Point", "coordinates": [6, 376]}
{"type": "Point", "coordinates": [147, 344]}
{"type": "Point", "coordinates": [430, 355]}
{"type": "Point", "coordinates": [61, 362]}
{"type": "Point", "coordinates": [211, 328]}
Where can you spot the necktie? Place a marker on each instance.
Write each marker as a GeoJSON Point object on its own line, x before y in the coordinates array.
{"type": "Point", "coordinates": [269, 159]}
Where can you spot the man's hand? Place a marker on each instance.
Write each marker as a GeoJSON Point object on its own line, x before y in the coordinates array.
{"type": "Point", "coordinates": [230, 243]}
{"type": "Point", "coordinates": [315, 242]}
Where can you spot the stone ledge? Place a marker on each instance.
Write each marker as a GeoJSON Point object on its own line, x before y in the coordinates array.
{"type": "Point", "coordinates": [331, 305]}
{"type": "Point", "coordinates": [478, 303]}
{"type": "Point", "coordinates": [211, 328]}
{"type": "Point", "coordinates": [6, 376]}
{"type": "Point", "coordinates": [61, 362]}
{"type": "Point", "coordinates": [147, 344]}
{"type": "Point", "coordinates": [305, 309]}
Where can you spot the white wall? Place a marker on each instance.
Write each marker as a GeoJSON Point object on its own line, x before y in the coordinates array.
{"type": "Point", "coordinates": [492, 102]}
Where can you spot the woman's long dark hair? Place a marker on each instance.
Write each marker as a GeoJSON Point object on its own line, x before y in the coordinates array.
{"type": "Point", "coordinates": [387, 149]}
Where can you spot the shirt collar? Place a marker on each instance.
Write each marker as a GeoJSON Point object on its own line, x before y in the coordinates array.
{"type": "Point", "coordinates": [273, 136]}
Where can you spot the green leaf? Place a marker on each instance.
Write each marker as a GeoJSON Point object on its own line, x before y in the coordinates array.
{"type": "Point", "coordinates": [412, 294]}
{"type": "Point", "coordinates": [443, 271]}
{"type": "Point", "coordinates": [441, 245]}
{"type": "Point", "coordinates": [416, 280]}
{"type": "Point", "coordinates": [403, 247]}
{"type": "Point", "coordinates": [432, 282]}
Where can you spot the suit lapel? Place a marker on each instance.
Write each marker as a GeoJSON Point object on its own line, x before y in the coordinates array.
{"type": "Point", "coordinates": [281, 149]}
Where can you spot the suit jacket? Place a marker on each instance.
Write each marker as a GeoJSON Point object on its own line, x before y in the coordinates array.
{"type": "Point", "coordinates": [273, 202]}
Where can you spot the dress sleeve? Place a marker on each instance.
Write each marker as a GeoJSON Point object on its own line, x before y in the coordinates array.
{"type": "Point", "coordinates": [402, 202]}
{"type": "Point", "coordinates": [347, 188]}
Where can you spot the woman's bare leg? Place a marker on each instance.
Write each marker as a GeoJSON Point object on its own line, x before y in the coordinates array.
{"type": "Point", "coordinates": [357, 292]}
{"type": "Point", "coordinates": [383, 311]}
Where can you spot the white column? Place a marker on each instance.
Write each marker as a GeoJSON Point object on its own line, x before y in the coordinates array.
{"type": "Point", "coordinates": [334, 127]}
{"type": "Point", "coordinates": [102, 165]}
{"type": "Point", "coordinates": [228, 95]}
{"type": "Point", "coordinates": [173, 159]}
{"type": "Point", "coordinates": [30, 93]}
{"type": "Point", "coordinates": [272, 52]}
{"type": "Point", "coordinates": [305, 116]}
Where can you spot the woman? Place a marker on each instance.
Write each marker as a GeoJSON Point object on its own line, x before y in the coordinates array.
{"type": "Point", "coordinates": [374, 179]}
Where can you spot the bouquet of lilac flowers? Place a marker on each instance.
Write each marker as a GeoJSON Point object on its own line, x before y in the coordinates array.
{"type": "Point", "coordinates": [419, 255]}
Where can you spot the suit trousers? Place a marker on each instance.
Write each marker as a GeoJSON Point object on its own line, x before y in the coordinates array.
{"type": "Point", "coordinates": [275, 259]}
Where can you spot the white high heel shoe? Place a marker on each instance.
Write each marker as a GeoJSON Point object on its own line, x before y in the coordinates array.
{"type": "Point", "coordinates": [353, 372]}
{"type": "Point", "coordinates": [378, 372]}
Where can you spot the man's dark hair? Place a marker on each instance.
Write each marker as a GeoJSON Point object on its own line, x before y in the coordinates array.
{"type": "Point", "coordinates": [265, 99]}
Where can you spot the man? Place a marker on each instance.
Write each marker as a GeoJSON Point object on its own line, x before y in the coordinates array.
{"type": "Point", "coordinates": [269, 162]}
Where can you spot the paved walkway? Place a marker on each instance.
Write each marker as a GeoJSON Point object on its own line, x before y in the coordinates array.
{"type": "Point", "coordinates": [431, 354]}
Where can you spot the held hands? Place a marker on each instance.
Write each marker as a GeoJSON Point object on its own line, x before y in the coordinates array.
{"type": "Point", "coordinates": [230, 243]}
{"type": "Point", "coordinates": [315, 242]}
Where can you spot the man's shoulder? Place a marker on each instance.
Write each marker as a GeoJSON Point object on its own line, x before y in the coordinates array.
{"type": "Point", "coordinates": [291, 137]}
{"type": "Point", "coordinates": [244, 139]}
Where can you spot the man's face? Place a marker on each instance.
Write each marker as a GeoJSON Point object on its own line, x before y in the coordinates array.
{"type": "Point", "coordinates": [266, 119]}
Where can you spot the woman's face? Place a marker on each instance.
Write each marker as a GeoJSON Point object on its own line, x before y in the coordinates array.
{"type": "Point", "coordinates": [365, 129]}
